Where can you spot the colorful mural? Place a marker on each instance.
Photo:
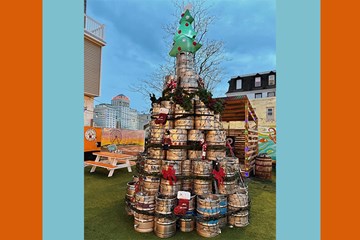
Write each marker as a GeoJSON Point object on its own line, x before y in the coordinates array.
{"type": "Point", "coordinates": [122, 137]}
{"type": "Point", "coordinates": [267, 141]}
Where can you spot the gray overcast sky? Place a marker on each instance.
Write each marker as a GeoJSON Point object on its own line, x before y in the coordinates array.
{"type": "Point", "coordinates": [135, 45]}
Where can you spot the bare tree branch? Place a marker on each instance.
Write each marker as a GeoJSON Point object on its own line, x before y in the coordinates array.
{"type": "Point", "coordinates": [207, 59]}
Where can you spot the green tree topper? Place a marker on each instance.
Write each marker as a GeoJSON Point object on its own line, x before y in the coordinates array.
{"type": "Point", "coordinates": [184, 39]}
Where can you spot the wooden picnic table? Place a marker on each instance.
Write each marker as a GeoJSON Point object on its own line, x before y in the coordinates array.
{"type": "Point", "coordinates": [111, 161]}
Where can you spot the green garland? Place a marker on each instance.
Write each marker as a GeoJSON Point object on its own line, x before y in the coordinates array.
{"type": "Point", "coordinates": [217, 105]}
{"type": "Point", "coordinates": [184, 99]}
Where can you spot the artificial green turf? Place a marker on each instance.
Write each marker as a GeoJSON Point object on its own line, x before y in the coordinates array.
{"type": "Point", "coordinates": [105, 216]}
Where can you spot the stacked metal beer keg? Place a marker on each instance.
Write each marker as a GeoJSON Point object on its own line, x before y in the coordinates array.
{"type": "Point", "coordinates": [208, 206]}
{"type": "Point", "coordinates": [238, 202]}
{"type": "Point", "coordinates": [185, 72]}
{"type": "Point", "coordinates": [192, 166]}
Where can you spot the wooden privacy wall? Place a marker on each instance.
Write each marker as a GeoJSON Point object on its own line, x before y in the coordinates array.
{"type": "Point", "coordinates": [246, 138]}
{"type": "Point", "coordinates": [245, 147]}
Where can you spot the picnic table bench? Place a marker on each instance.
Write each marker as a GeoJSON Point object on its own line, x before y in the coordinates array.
{"type": "Point", "coordinates": [111, 161]}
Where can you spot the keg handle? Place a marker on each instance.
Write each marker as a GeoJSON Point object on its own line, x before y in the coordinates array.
{"type": "Point", "coordinates": [241, 225]}
{"type": "Point", "coordinates": [136, 225]}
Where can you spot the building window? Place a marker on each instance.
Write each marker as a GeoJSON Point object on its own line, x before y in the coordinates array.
{"type": "Point", "coordinates": [257, 81]}
{"type": "Point", "coordinates": [258, 95]}
{"type": "Point", "coordinates": [270, 114]}
{"type": "Point", "coordinates": [271, 80]}
{"type": "Point", "coordinates": [271, 94]}
{"type": "Point", "coordinates": [238, 84]}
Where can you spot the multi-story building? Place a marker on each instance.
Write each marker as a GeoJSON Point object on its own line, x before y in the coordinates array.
{"type": "Point", "coordinates": [121, 100]}
{"type": "Point", "coordinates": [118, 114]}
{"type": "Point", "coordinates": [133, 119]}
{"type": "Point", "coordinates": [260, 88]}
{"type": "Point", "coordinates": [105, 116]}
{"type": "Point", "coordinates": [143, 119]}
{"type": "Point", "coordinates": [122, 105]}
{"type": "Point", "coordinates": [93, 43]}
{"type": "Point", "coordinates": [257, 85]}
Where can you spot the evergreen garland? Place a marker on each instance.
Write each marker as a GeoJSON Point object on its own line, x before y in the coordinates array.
{"type": "Point", "coordinates": [184, 99]}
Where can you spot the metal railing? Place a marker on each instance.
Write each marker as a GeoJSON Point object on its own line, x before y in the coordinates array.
{"type": "Point", "coordinates": [94, 27]}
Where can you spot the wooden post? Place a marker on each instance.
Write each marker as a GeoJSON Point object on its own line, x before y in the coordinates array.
{"type": "Point", "coordinates": [246, 136]}
{"type": "Point", "coordinates": [255, 119]}
{"type": "Point", "coordinates": [257, 143]}
{"type": "Point", "coordinates": [228, 128]}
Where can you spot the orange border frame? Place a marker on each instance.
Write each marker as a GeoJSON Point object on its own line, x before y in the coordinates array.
{"type": "Point", "coordinates": [340, 87]}
{"type": "Point", "coordinates": [21, 121]}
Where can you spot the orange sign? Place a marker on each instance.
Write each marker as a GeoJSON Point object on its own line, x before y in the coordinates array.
{"type": "Point", "coordinates": [92, 138]}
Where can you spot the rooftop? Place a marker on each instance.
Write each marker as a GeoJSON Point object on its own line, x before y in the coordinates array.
{"type": "Point", "coordinates": [237, 108]}
{"type": "Point", "coordinates": [253, 74]}
{"type": "Point", "coordinates": [121, 97]}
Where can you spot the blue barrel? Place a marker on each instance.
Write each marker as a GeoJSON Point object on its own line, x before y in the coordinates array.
{"type": "Point", "coordinates": [223, 210]}
{"type": "Point", "coordinates": [207, 206]}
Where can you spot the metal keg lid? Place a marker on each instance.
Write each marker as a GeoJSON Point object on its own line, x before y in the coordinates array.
{"type": "Point", "coordinates": [263, 155]}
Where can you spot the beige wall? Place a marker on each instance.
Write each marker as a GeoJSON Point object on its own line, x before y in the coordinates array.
{"type": "Point", "coordinates": [260, 105]}
{"type": "Point", "coordinates": [92, 67]}
{"type": "Point", "coordinates": [89, 112]}
{"type": "Point", "coordinates": [233, 125]}
{"type": "Point", "coordinates": [92, 73]}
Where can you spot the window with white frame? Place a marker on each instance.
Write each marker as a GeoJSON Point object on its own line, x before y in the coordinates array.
{"type": "Point", "coordinates": [271, 94]}
{"type": "Point", "coordinates": [257, 81]}
{"type": "Point", "coordinates": [258, 95]}
{"type": "Point", "coordinates": [238, 84]}
{"type": "Point", "coordinates": [271, 80]}
{"type": "Point", "coordinates": [270, 114]}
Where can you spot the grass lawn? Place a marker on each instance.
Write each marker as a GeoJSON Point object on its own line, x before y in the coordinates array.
{"type": "Point", "coordinates": [105, 216]}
